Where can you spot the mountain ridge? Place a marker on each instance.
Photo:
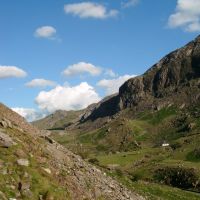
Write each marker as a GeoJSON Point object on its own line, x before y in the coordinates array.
{"type": "Point", "coordinates": [175, 75]}
{"type": "Point", "coordinates": [146, 90]}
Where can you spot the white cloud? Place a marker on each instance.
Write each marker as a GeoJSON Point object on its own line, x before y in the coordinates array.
{"type": "Point", "coordinates": [112, 85]}
{"type": "Point", "coordinates": [130, 3]}
{"type": "Point", "coordinates": [11, 71]}
{"type": "Point", "coordinates": [89, 10]}
{"type": "Point", "coordinates": [186, 16]}
{"type": "Point", "coordinates": [82, 68]}
{"type": "Point", "coordinates": [45, 32]}
{"type": "Point", "coordinates": [40, 83]}
{"type": "Point", "coordinates": [110, 72]}
{"type": "Point", "coordinates": [67, 98]}
{"type": "Point", "coordinates": [29, 113]}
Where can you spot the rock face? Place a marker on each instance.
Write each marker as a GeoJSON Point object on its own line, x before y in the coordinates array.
{"type": "Point", "coordinates": [106, 107]}
{"type": "Point", "coordinates": [175, 79]}
{"type": "Point", "coordinates": [176, 75]}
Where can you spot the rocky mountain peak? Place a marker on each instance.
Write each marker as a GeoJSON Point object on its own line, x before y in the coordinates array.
{"type": "Point", "coordinates": [174, 79]}
{"type": "Point", "coordinates": [169, 76]}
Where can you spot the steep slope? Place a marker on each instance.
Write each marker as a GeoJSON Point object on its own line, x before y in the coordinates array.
{"type": "Point", "coordinates": [58, 120]}
{"type": "Point", "coordinates": [61, 119]}
{"type": "Point", "coordinates": [34, 167]}
{"type": "Point", "coordinates": [175, 79]}
{"type": "Point", "coordinates": [9, 118]}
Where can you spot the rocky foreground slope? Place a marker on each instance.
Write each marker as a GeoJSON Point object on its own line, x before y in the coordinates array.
{"type": "Point", "coordinates": [36, 167]}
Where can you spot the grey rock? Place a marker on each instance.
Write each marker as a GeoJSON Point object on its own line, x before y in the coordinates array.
{"type": "Point", "coordinates": [6, 141]}
{"type": "Point", "coordinates": [23, 162]}
{"type": "Point", "coordinates": [5, 123]}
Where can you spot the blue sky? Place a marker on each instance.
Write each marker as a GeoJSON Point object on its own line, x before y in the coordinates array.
{"type": "Point", "coordinates": [44, 38]}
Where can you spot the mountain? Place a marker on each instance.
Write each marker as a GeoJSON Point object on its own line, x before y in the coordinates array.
{"type": "Point", "coordinates": [173, 80]}
{"type": "Point", "coordinates": [147, 136]}
{"type": "Point", "coordinates": [33, 166]}
{"type": "Point", "coordinates": [58, 120]}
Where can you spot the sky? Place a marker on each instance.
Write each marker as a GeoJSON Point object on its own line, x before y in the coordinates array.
{"type": "Point", "coordinates": [68, 54]}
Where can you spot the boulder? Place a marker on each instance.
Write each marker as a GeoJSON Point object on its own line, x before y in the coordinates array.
{"type": "Point", "coordinates": [5, 123]}
{"type": "Point", "coordinates": [23, 162]}
{"type": "Point", "coordinates": [6, 141]}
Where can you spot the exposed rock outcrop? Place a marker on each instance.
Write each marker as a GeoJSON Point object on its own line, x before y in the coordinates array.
{"type": "Point", "coordinates": [175, 79]}
{"type": "Point", "coordinates": [106, 107]}
{"type": "Point", "coordinates": [6, 141]}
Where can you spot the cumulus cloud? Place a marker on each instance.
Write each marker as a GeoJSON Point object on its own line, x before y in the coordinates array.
{"type": "Point", "coordinates": [82, 68]}
{"type": "Point", "coordinates": [186, 16]}
{"type": "Point", "coordinates": [40, 83]}
{"type": "Point", "coordinates": [112, 85]}
{"type": "Point", "coordinates": [28, 113]}
{"type": "Point", "coordinates": [130, 3]}
{"type": "Point", "coordinates": [89, 10]}
{"type": "Point", "coordinates": [11, 71]}
{"type": "Point", "coordinates": [67, 98]}
{"type": "Point", "coordinates": [110, 72]}
{"type": "Point", "coordinates": [45, 32]}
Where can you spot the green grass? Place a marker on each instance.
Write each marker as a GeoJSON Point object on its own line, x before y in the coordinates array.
{"type": "Point", "coordinates": [40, 182]}
{"type": "Point", "coordinates": [156, 191]}
{"type": "Point", "coordinates": [136, 167]}
{"type": "Point", "coordinates": [157, 117]}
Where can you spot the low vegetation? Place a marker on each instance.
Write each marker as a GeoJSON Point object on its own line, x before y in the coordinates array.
{"type": "Point", "coordinates": [131, 149]}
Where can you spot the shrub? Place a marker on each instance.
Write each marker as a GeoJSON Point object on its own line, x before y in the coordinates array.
{"type": "Point", "coordinates": [175, 145]}
{"type": "Point", "coordinates": [94, 161]}
{"type": "Point", "coordinates": [119, 172]}
{"type": "Point", "coordinates": [178, 177]}
{"type": "Point", "coordinates": [101, 147]}
{"type": "Point", "coordinates": [135, 177]}
{"type": "Point", "coordinates": [194, 155]}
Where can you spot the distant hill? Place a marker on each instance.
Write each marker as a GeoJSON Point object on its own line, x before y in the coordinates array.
{"type": "Point", "coordinates": [58, 120]}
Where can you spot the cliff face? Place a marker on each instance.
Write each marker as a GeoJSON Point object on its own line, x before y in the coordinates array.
{"type": "Point", "coordinates": [175, 79]}
{"type": "Point", "coordinates": [175, 76]}
{"type": "Point", "coordinates": [107, 107]}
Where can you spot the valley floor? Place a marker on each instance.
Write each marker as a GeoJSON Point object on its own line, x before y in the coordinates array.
{"type": "Point", "coordinates": [137, 165]}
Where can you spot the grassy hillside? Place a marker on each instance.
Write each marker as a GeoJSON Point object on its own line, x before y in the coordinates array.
{"type": "Point", "coordinates": [31, 180]}
{"type": "Point", "coordinates": [33, 166]}
{"type": "Point", "coordinates": [129, 147]}
{"type": "Point", "coordinates": [58, 120]}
